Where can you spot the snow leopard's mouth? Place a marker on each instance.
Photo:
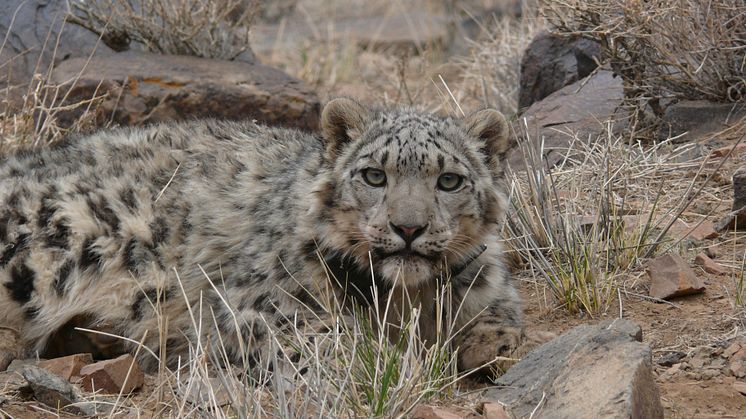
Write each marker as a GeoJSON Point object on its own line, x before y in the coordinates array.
{"type": "Point", "coordinates": [407, 255]}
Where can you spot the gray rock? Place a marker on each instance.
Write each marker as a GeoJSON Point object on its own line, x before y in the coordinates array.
{"type": "Point", "coordinates": [580, 110]}
{"type": "Point", "coordinates": [695, 119]}
{"type": "Point", "coordinates": [56, 392]}
{"type": "Point", "coordinates": [553, 61]}
{"type": "Point", "coordinates": [29, 25]}
{"type": "Point", "coordinates": [735, 220]}
{"type": "Point", "coordinates": [17, 365]}
{"type": "Point", "coordinates": [671, 358]}
{"type": "Point", "coordinates": [739, 189]}
{"type": "Point", "coordinates": [144, 87]}
{"type": "Point", "coordinates": [592, 371]}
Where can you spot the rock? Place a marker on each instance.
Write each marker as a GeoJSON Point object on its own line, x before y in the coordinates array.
{"type": "Point", "coordinates": [734, 150]}
{"type": "Point", "coordinates": [17, 365]}
{"type": "Point", "coordinates": [671, 358]}
{"type": "Point", "coordinates": [494, 411]}
{"type": "Point", "coordinates": [56, 392]}
{"type": "Point", "coordinates": [692, 120]}
{"type": "Point", "coordinates": [739, 189]}
{"type": "Point", "coordinates": [553, 61]}
{"type": "Point", "coordinates": [735, 220]}
{"type": "Point", "coordinates": [671, 276]}
{"type": "Point", "coordinates": [3, 400]}
{"type": "Point", "coordinates": [433, 412]}
{"type": "Point", "coordinates": [740, 387]}
{"type": "Point", "coordinates": [67, 366]}
{"type": "Point", "coordinates": [732, 349]}
{"type": "Point", "coordinates": [709, 265]}
{"type": "Point", "coordinates": [29, 25]}
{"type": "Point", "coordinates": [698, 231]}
{"type": "Point", "coordinates": [110, 376]}
{"type": "Point", "coordinates": [413, 31]}
{"type": "Point", "coordinates": [144, 87]}
{"type": "Point", "coordinates": [592, 371]}
{"type": "Point", "coordinates": [580, 110]}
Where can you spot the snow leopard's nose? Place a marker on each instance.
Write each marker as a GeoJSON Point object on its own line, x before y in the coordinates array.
{"type": "Point", "coordinates": [408, 233]}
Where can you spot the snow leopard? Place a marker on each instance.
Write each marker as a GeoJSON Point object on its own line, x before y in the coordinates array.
{"type": "Point", "coordinates": [150, 234]}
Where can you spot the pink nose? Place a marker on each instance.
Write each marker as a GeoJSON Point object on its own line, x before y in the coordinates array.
{"type": "Point", "coordinates": [408, 233]}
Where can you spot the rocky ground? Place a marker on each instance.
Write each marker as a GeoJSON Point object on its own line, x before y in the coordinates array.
{"type": "Point", "coordinates": [680, 348]}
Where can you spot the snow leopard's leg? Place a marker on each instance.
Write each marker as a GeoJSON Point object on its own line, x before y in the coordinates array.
{"type": "Point", "coordinates": [492, 322]}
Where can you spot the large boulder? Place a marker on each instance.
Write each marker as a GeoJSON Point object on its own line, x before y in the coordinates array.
{"type": "Point", "coordinates": [551, 62]}
{"type": "Point", "coordinates": [143, 87]}
{"type": "Point", "coordinates": [581, 111]}
{"type": "Point", "coordinates": [592, 371]}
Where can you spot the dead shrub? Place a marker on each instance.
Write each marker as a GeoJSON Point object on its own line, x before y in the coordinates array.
{"type": "Point", "coordinates": [682, 49]}
{"type": "Point", "coordinates": [201, 28]}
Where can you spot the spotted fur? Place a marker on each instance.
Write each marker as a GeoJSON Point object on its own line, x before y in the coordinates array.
{"type": "Point", "coordinates": [105, 231]}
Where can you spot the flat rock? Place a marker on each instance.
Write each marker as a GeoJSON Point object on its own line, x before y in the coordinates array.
{"type": "Point", "coordinates": [740, 387]}
{"type": "Point", "coordinates": [592, 371]}
{"type": "Point", "coordinates": [709, 265]}
{"type": "Point", "coordinates": [111, 376]}
{"type": "Point", "coordinates": [698, 231]}
{"type": "Point", "coordinates": [691, 120]}
{"type": "Point", "coordinates": [143, 87]}
{"type": "Point", "coordinates": [56, 392]}
{"type": "Point", "coordinates": [671, 277]}
{"type": "Point", "coordinates": [578, 111]}
{"type": "Point", "coordinates": [551, 62]}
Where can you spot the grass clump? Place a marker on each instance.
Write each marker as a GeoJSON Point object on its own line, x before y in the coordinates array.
{"type": "Point", "coordinates": [201, 28]}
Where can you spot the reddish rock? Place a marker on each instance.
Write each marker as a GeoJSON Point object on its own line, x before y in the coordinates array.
{"type": "Point", "coordinates": [723, 151]}
{"type": "Point", "coordinates": [143, 88]}
{"type": "Point", "coordinates": [709, 265]}
{"type": "Point", "coordinates": [671, 276]}
{"type": "Point", "coordinates": [67, 366]}
{"type": "Point", "coordinates": [494, 411]}
{"type": "Point", "coordinates": [110, 376]}
{"type": "Point", "coordinates": [695, 230]}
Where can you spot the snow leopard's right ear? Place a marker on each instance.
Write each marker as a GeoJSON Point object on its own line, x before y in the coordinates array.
{"type": "Point", "coordinates": [342, 121]}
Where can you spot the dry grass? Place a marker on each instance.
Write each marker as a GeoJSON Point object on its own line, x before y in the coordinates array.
{"type": "Point", "coordinates": [201, 28]}
{"type": "Point", "coordinates": [683, 49]}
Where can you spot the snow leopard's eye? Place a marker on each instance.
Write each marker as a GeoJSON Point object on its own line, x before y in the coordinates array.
{"type": "Point", "coordinates": [449, 182]}
{"type": "Point", "coordinates": [374, 177]}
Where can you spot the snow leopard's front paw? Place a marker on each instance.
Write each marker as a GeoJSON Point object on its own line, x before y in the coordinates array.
{"type": "Point", "coordinates": [490, 349]}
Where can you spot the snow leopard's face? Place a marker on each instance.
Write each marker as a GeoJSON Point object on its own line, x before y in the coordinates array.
{"type": "Point", "coordinates": [413, 194]}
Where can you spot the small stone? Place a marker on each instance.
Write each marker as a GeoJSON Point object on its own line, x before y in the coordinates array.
{"type": "Point", "coordinates": [671, 277]}
{"type": "Point", "coordinates": [55, 392]}
{"type": "Point", "coordinates": [709, 265]}
{"type": "Point", "coordinates": [735, 220]}
{"type": "Point", "coordinates": [110, 376]}
{"type": "Point", "coordinates": [731, 349]}
{"type": "Point", "coordinates": [698, 231]}
{"type": "Point", "coordinates": [67, 366]}
{"type": "Point", "coordinates": [671, 358]}
{"type": "Point", "coordinates": [710, 373]}
{"type": "Point", "coordinates": [494, 411]}
{"type": "Point", "coordinates": [740, 387]}
{"type": "Point", "coordinates": [723, 151]}
{"type": "Point", "coordinates": [433, 412]}
{"type": "Point", "coordinates": [3, 400]}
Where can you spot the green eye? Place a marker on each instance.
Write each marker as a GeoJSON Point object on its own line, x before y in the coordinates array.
{"type": "Point", "coordinates": [374, 177]}
{"type": "Point", "coordinates": [449, 182]}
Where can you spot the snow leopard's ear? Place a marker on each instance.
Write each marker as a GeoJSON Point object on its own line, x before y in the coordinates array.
{"type": "Point", "coordinates": [490, 128]}
{"type": "Point", "coordinates": [342, 121]}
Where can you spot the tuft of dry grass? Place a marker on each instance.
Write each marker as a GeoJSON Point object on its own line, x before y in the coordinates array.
{"type": "Point", "coordinates": [201, 28]}
{"type": "Point", "coordinates": [683, 49]}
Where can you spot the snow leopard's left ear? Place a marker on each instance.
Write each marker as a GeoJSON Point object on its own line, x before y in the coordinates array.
{"type": "Point", "coordinates": [342, 120]}
{"type": "Point", "coordinates": [490, 128]}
